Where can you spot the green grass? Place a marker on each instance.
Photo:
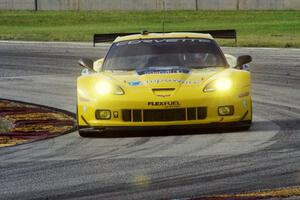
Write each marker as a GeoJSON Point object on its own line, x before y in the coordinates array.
{"type": "Point", "coordinates": [255, 28]}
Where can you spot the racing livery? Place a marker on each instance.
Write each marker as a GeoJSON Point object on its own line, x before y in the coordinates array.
{"type": "Point", "coordinates": [163, 80]}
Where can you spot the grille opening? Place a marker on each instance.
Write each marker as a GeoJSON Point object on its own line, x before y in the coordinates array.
{"type": "Point", "coordinates": [201, 112]}
{"type": "Point", "coordinates": [126, 115]}
{"type": "Point", "coordinates": [164, 115]}
{"type": "Point", "coordinates": [137, 115]}
{"type": "Point", "coordinates": [152, 115]}
{"type": "Point", "coordinates": [191, 114]}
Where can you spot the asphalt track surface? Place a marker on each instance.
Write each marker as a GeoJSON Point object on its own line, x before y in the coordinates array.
{"type": "Point", "coordinates": [154, 165]}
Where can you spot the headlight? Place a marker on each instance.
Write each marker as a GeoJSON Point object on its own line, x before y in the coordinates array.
{"type": "Point", "coordinates": [104, 88]}
{"type": "Point", "coordinates": [222, 84]}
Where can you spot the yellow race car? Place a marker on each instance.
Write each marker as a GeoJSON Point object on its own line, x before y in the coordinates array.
{"type": "Point", "coordinates": [163, 80]}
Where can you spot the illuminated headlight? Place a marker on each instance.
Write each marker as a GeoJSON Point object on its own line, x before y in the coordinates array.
{"type": "Point", "coordinates": [222, 84]}
{"type": "Point", "coordinates": [104, 88]}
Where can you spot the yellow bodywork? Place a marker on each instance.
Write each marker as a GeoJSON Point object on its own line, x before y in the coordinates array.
{"type": "Point", "coordinates": [163, 91]}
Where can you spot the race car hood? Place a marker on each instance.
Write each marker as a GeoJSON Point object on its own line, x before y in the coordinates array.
{"type": "Point", "coordinates": [162, 79]}
{"type": "Point", "coordinates": [159, 82]}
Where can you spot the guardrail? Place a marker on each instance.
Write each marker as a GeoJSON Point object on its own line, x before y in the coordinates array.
{"type": "Point", "coordinates": [149, 4]}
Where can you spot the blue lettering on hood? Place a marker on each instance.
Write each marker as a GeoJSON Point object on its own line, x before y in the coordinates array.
{"type": "Point", "coordinates": [163, 70]}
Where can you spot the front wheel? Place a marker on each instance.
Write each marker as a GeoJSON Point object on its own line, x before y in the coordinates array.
{"type": "Point", "coordinates": [249, 123]}
{"type": "Point", "coordinates": [246, 126]}
{"type": "Point", "coordinates": [84, 133]}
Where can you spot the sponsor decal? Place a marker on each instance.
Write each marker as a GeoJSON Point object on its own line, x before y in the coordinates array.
{"type": "Point", "coordinates": [135, 83]}
{"type": "Point", "coordinates": [157, 41]}
{"type": "Point", "coordinates": [163, 103]}
{"type": "Point", "coordinates": [163, 70]}
{"type": "Point", "coordinates": [158, 81]}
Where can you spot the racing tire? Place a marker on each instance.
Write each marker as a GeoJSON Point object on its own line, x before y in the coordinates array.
{"type": "Point", "coordinates": [246, 126]}
{"type": "Point", "coordinates": [84, 134]}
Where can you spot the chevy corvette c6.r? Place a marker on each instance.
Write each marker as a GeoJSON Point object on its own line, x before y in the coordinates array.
{"type": "Point", "coordinates": [163, 80]}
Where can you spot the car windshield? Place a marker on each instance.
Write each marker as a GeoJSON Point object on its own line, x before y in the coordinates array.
{"type": "Point", "coordinates": [138, 54]}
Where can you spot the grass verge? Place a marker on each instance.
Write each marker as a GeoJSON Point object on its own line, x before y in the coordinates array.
{"type": "Point", "coordinates": [255, 28]}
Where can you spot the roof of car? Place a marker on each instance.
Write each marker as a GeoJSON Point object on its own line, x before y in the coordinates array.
{"type": "Point", "coordinates": [163, 35]}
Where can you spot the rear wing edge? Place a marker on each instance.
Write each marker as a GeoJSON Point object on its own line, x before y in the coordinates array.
{"type": "Point", "coordinates": [222, 34]}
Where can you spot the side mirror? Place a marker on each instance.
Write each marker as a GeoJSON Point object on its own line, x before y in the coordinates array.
{"type": "Point", "coordinates": [245, 67]}
{"type": "Point", "coordinates": [85, 72]}
{"type": "Point", "coordinates": [242, 60]}
{"type": "Point", "coordinates": [87, 63]}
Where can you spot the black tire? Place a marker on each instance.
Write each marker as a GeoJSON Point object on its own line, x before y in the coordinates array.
{"type": "Point", "coordinates": [239, 126]}
{"type": "Point", "coordinates": [249, 123]}
{"type": "Point", "coordinates": [246, 126]}
{"type": "Point", "coordinates": [84, 134]}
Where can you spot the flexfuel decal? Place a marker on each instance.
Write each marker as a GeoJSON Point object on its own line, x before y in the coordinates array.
{"type": "Point", "coordinates": [164, 103]}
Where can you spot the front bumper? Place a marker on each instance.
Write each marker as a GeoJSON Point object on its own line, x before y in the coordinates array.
{"type": "Point", "coordinates": [210, 126]}
{"type": "Point", "coordinates": [86, 110]}
{"type": "Point", "coordinates": [242, 112]}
